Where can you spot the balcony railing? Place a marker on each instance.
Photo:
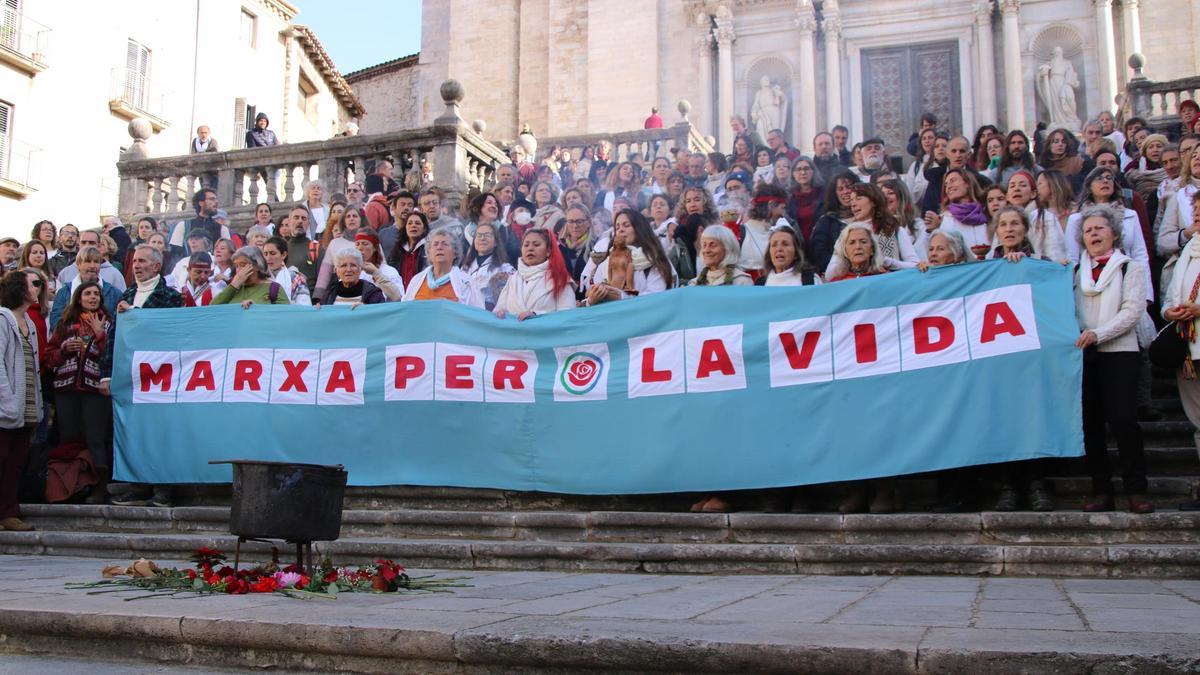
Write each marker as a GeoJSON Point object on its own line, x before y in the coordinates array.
{"type": "Point", "coordinates": [1156, 102]}
{"type": "Point", "coordinates": [24, 43]}
{"type": "Point", "coordinates": [18, 168]}
{"type": "Point", "coordinates": [132, 95]}
{"type": "Point", "coordinates": [461, 159]}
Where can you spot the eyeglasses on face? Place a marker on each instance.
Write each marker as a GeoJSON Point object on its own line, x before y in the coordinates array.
{"type": "Point", "coordinates": [38, 283]}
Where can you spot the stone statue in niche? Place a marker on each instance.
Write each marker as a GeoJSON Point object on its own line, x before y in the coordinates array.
{"type": "Point", "coordinates": [1057, 82]}
{"type": "Point", "coordinates": [769, 110]}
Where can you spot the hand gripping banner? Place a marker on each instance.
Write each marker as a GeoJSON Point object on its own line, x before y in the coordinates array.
{"type": "Point", "coordinates": [690, 390]}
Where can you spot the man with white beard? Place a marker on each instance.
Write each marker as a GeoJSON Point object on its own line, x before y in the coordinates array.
{"type": "Point", "coordinates": [874, 157]}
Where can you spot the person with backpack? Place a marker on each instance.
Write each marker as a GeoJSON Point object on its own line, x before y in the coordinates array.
{"type": "Point", "coordinates": [251, 282]}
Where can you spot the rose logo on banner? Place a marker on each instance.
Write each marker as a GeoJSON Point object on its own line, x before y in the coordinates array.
{"type": "Point", "coordinates": [582, 373]}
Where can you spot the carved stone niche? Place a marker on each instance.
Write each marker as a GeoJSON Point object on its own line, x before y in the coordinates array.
{"type": "Point", "coordinates": [778, 75]}
{"type": "Point", "coordinates": [1060, 77]}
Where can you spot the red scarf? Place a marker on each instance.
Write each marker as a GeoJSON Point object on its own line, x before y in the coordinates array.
{"type": "Point", "coordinates": [1098, 266]}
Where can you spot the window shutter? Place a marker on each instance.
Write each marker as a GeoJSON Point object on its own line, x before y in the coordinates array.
{"type": "Point", "coordinates": [5, 127]}
{"type": "Point", "coordinates": [10, 28]}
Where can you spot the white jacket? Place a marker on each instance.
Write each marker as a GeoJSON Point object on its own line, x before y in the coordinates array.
{"type": "Point", "coordinates": [459, 281]}
{"type": "Point", "coordinates": [530, 290]}
{"type": "Point", "coordinates": [1179, 289]}
{"type": "Point", "coordinates": [1113, 315]}
{"type": "Point", "coordinates": [1134, 245]}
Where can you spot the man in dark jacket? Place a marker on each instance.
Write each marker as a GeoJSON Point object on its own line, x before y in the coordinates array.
{"type": "Point", "coordinates": [957, 153]}
{"type": "Point", "coordinates": [302, 254]}
{"type": "Point", "coordinates": [150, 292]}
{"type": "Point", "coordinates": [205, 204]}
{"type": "Point", "coordinates": [260, 136]}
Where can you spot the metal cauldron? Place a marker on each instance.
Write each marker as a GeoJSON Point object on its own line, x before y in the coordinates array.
{"type": "Point", "coordinates": [299, 503]}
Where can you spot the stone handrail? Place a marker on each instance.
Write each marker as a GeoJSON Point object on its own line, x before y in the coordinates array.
{"type": "Point", "coordinates": [1157, 102]}
{"type": "Point", "coordinates": [162, 187]}
{"type": "Point", "coordinates": [648, 142]}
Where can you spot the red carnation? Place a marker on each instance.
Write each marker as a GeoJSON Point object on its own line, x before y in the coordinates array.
{"type": "Point", "coordinates": [264, 585]}
{"type": "Point", "coordinates": [330, 577]}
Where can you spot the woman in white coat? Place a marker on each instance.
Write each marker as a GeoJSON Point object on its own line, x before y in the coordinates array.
{"type": "Point", "coordinates": [963, 212]}
{"type": "Point", "coordinates": [542, 283]}
{"type": "Point", "coordinates": [375, 270]}
{"type": "Point", "coordinates": [1100, 188]}
{"type": "Point", "coordinates": [1109, 304]}
{"type": "Point", "coordinates": [442, 279]}
{"type": "Point", "coordinates": [1045, 234]}
{"type": "Point", "coordinates": [650, 271]}
{"type": "Point", "coordinates": [1180, 304]}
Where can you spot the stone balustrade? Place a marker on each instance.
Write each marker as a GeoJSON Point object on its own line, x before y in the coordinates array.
{"type": "Point", "coordinates": [460, 158]}
{"type": "Point", "coordinates": [1156, 102]}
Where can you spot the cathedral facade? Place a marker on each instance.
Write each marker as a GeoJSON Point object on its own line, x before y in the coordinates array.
{"type": "Point", "coordinates": [569, 67]}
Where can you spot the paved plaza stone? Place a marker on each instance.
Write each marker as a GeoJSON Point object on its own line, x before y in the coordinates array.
{"type": "Point", "coordinates": [563, 621]}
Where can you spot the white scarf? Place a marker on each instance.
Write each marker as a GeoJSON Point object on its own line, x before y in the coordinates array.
{"type": "Point", "coordinates": [144, 289]}
{"type": "Point", "coordinates": [640, 261]}
{"type": "Point", "coordinates": [534, 287]}
{"type": "Point", "coordinates": [1108, 286]}
{"type": "Point", "coordinates": [202, 146]}
{"type": "Point", "coordinates": [787, 277]}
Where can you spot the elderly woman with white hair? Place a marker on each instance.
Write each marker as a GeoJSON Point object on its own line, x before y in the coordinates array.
{"type": "Point", "coordinates": [251, 282]}
{"type": "Point", "coordinates": [856, 253]}
{"type": "Point", "coordinates": [946, 247]}
{"type": "Point", "coordinates": [1110, 300]}
{"type": "Point", "coordinates": [350, 288]}
{"type": "Point", "coordinates": [318, 209]}
{"type": "Point", "coordinates": [719, 254]}
{"type": "Point", "coordinates": [257, 235]}
{"type": "Point", "coordinates": [443, 279]}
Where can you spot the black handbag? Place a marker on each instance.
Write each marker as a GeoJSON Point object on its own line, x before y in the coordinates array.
{"type": "Point", "coordinates": [1169, 350]}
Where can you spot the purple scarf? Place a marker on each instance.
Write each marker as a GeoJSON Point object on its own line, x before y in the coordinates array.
{"type": "Point", "coordinates": [968, 213]}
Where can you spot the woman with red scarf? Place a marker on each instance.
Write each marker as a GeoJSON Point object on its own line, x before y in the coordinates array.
{"type": "Point", "coordinates": [542, 283]}
{"type": "Point", "coordinates": [74, 354]}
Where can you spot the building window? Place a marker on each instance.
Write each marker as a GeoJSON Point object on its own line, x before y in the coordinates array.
{"type": "Point", "coordinates": [307, 101]}
{"type": "Point", "coordinates": [10, 25]}
{"type": "Point", "coordinates": [6, 111]}
{"type": "Point", "coordinates": [249, 32]}
{"type": "Point", "coordinates": [137, 75]}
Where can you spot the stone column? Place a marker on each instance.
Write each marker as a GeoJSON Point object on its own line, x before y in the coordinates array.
{"type": "Point", "coordinates": [1132, 24]}
{"type": "Point", "coordinates": [724, 36]}
{"type": "Point", "coordinates": [1013, 76]}
{"type": "Point", "coordinates": [832, 25]}
{"type": "Point", "coordinates": [804, 97]}
{"type": "Point", "coordinates": [704, 46]}
{"type": "Point", "coordinates": [1107, 53]}
{"type": "Point", "coordinates": [986, 58]}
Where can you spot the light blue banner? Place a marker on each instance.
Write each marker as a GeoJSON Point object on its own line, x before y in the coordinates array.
{"type": "Point", "coordinates": [690, 390]}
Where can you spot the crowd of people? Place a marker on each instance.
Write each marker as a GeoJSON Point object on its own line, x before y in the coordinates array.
{"type": "Point", "coordinates": [567, 232]}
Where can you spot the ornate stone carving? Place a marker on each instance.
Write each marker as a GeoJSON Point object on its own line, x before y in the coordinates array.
{"type": "Point", "coordinates": [1012, 6]}
{"type": "Point", "coordinates": [832, 26]}
{"type": "Point", "coordinates": [806, 18]}
{"type": "Point", "coordinates": [983, 12]}
{"type": "Point", "coordinates": [704, 45]}
{"type": "Point", "coordinates": [724, 33]}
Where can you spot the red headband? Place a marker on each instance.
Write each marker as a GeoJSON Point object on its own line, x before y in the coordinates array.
{"type": "Point", "coordinates": [368, 235]}
{"type": "Point", "coordinates": [767, 200]}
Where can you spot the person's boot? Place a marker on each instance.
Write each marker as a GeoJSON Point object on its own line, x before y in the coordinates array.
{"type": "Point", "coordinates": [99, 493]}
{"type": "Point", "coordinates": [1039, 496]}
{"type": "Point", "coordinates": [15, 524]}
{"type": "Point", "coordinates": [885, 496]}
{"type": "Point", "coordinates": [855, 500]}
{"type": "Point", "coordinates": [1007, 499]}
{"type": "Point", "coordinates": [161, 497]}
{"type": "Point", "coordinates": [1138, 503]}
{"type": "Point", "coordinates": [1098, 503]}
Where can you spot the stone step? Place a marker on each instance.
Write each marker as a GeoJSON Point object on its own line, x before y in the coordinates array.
{"type": "Point", "coordinates": [989, 527]}
{"type": "Point", "coordinates": [540, 622]}
{"type": "Point", "coordinates": [995, 559]}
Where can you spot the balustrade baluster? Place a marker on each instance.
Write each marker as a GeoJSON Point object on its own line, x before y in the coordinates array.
{"type": "Point", "coordinates": [269, 189]}
{"type": "Point", "coordinates": [253, 187]}
{"type": "Point", "coordinates": [289, 184]}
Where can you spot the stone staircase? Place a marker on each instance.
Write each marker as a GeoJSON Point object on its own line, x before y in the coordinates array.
{"type": "Point", "coordinates": [484, 529]}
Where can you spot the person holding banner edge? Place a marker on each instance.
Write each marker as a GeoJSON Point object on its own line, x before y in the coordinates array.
{"type": "Point", "coordinates": [1110, 298]}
